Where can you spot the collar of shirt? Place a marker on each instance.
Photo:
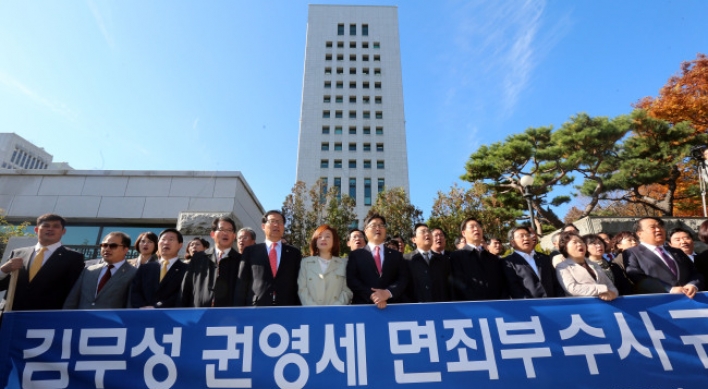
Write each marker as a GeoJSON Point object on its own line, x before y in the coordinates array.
{"type": "Point", "coordinates": [116, 266]}
{"type": "Point", "coordinates": [382, 249]}
{"type": "Point", "coordinates": [50, 249]}
{"type": "Point", "coordinates": [278, 248]}
{"type": "Point", "coordinates": [649, 246]}
{"type": "Point", "coordinates": [530, 260]}
{"type": "Point", "coordinates": [225, 253]}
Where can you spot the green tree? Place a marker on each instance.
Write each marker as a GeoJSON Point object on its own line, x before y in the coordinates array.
{"type": "Point", "coordinates": [8, 231]}
{"type": "Point", "coordinates": [305, 210]}
{"type": "Point", "coordinates": [401, 216]}
{"type": "Point", "coordinates": [450, 209]}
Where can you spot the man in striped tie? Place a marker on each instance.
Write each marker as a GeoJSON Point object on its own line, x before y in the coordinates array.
{"type": "Point", "coordinates": [657, 268]}
{"type": "Point", "coordinates": [158, 284]}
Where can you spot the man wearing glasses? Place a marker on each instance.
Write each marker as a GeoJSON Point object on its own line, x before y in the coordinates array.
{"type": "Point", "coordinates": [376, 274]}
{"type": "Point", "coordinates": [106, 284]}
{"type": "Point", "coordinates": [45, 272]}
{"type": "Point", "coordinates": [270, 269]}
{"type": "Point", "coordinates": [212, 275]}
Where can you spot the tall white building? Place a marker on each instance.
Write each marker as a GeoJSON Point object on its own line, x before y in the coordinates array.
{"type": "Point", "coordinates": [352, 126]}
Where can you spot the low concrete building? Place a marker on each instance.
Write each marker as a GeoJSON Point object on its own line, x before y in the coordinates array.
{"type": "Point", "coordinates": [96, 202]}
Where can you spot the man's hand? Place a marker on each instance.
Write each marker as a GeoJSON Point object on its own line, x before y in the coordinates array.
{"type": "Point", "coordinates": [690, 290]}
{"type": "Point", "coordinates": [12, 265]}
{"type": "Point", "coordinates": [380, 296]}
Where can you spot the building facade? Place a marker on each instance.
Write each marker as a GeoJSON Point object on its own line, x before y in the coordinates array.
{"type": "Point", "coordinates": [18, 153]}
{"type": "Point", "coordinates": [352, 124]}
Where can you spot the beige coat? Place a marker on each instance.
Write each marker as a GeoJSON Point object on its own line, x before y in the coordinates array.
{"type": "Point", "coordinates": [576, 281]}
{"type": "Point", "coordinates": [330, 288]}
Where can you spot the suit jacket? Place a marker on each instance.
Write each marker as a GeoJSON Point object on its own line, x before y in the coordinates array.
{"type": "Point", "coordinates": [651, 275]}
{"type": "Point", "coordinates": [134, 261]}
{"type": "Point", "coordinates": [328, 288]}
{"type": "Point", "coordinates": [362, 275]}
{"type": "Point", "coordinates": [428, 282]}
{"type": "Point", "coordinates": [148, 290]}
{"type": "Point", "coordinates": [576, 281]}
{"type": "Point", "coordinates": [701, 263]}
{"type": "Point", "coordinates": [52, 283]}
{"type": "Point", "coordinates": [523, 281]}
{"type": "Point", "coordinates": [477, 275]}
{"type": "Point", "coordinates": [263, 289]}
{"type": "Point", "coordinates": [114, 293]}
{"type": "Point", "coordinates": [204, 286]}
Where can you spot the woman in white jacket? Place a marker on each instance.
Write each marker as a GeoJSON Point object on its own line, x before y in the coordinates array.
{"type": "Point", "coordinates": [323, 276]}
{"type": "Point", "coordinates": [578, 276]}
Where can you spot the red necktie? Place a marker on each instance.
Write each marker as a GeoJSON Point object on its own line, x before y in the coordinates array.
{"type": "Point", "coordinates": [104, 279]}
{"type": "Point", "coordinates": [377, 258]}
{"type": "Point", "coordinates": [273, 256]}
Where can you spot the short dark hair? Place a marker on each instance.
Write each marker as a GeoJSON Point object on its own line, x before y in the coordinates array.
{"type": "Point", "coordinates": [619, 237]}
{"type": "Point", "coordinates": [147, 235]}
{"type": "Point", "coordinates": [372, 217]}
{"type": "Point", "coordinates": [566, 225]}
{"type": "Point", "coordinates": [490, 238]}
{"type": "Point", "coordinates": [316, 235]}
{"type": "Point", "coordinates": [215, 223]}
{"type": "Point", "coordinates": [264, 220]}
{"type": "Point", "coordinates": [565, 238]}
{"type": "Point", "coordinates": [51, 217]}
{"type": "Point", "coordinates": [439, 229]}
{"type": "Point", "coordinates": [677, 230]}
{"type": "Point", "coordinates": [458, 240]}
{"type": "Point", "coordinates": [638, 223]}
{"type": "Point", "coordinates": [250, 232]}
{"type": "Point", "coordinates": [353, 230]}
{"type": "Point", "coordinates": [467, 220]}
{"type": "Point", "coordinates": [593, 238]}
{"type": "Point", "coordinates": [125, 238]}
{"type": "Point", "coordinates": [180, 239]}
{"type": "Point", "coordinates": [518, 228]}
{"type": "Point", "coordinates": [415, 228]}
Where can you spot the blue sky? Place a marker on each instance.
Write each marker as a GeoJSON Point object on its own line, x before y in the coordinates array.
{"type": "Point", "coordinates": [187, 85]}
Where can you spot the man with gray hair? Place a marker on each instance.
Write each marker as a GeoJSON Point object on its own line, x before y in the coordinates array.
{"type": "Point", "coordinates": [246, 237]}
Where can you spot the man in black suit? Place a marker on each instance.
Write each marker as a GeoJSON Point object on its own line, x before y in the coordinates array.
{"type": "Point", "coordinates": [212, 275]}
{"type": "Point", "coordinates": [439, 242]}
{"type": "Point", "coordinates": [158, 283]}
{"type": "Point", "coordinates": [656, 268]}
{"type": "Point", "coordinates": [476, 273]}
{"type": "Point", "coordinates": [429, 271]}
{"type": "Point", "coordinates": [270, 269]}
{"type": "Point", "coordinates": [529, 274]}
{"type": "Point", "coordinates": [46, 272]}
{"type": "Point", "coordinates": [376, 274]}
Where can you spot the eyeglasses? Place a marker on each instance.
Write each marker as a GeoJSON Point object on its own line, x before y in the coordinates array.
{"type": "Point", "coordinates": [274, 222]}
{"type": "Point", "coordinates": [375, 226]}
{"type": "Point", "coordinates": [111, 246]}
{"type": "Point", "coordinates": [224, 230]}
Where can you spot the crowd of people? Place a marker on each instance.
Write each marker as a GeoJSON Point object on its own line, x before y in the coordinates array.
{"type": "Point", "coordinates": [49, 276]}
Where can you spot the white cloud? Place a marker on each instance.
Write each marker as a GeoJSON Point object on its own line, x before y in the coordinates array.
{"type": "Point", "coordinates": [101, 22]}
{"type": "Point", "coordinates": [54, 106]}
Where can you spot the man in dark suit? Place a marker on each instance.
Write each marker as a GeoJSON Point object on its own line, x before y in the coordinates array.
{"type": "Point", "coordinates": [46, 272]}
{"type": "Point", "coordinates": [656, 268]}
{"type": "Point", "coordinates": [439, 242]}
{"type": "Point", "coordinates": [529, 274]}
{"type": "Point", "coordinates": [429, 272]}
{"type": "Point", "coordinates": [105, 285]}
{"type": "Point", "coordinates": [271, 268]}
{"type": "Point", "coordinates": [376, 274]}
{"type": "Point", "coordinates": [476, 273]}
{"type": "Point", "coordinates": [212, 275]}
{"type": "Point", "coordinates": [158, 283]}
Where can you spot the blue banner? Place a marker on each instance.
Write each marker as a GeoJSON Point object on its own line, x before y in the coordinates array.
{"type": "Point", "coordinates": [638, 342]}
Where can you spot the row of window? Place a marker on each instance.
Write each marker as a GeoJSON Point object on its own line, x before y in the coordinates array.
{"type": "Point", "coordinates": [352, 85]}
{"type": "Point", "coordinates": [352, 114]}
{"type": "Point", "coordinates": [377, 71]}
{"type": "Point", "coordinates": [381, 184]}
{"type": "Point", "coordinates": [352, 57]}
{"type": "Point", "coordinates": [352, 99]}
{"type": "Point", "coordinates": [352, 146]}
{"type": "Point", "coordinates": [352, 29]}
{"type": "Point", "coordinates": [352, 45]}
{"type": "Point", "coordinates": [26, 161]}
{"type": "Point", "coordinates": [324, 164]}
{"type": "Point", "coordinates": [352, 130]}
